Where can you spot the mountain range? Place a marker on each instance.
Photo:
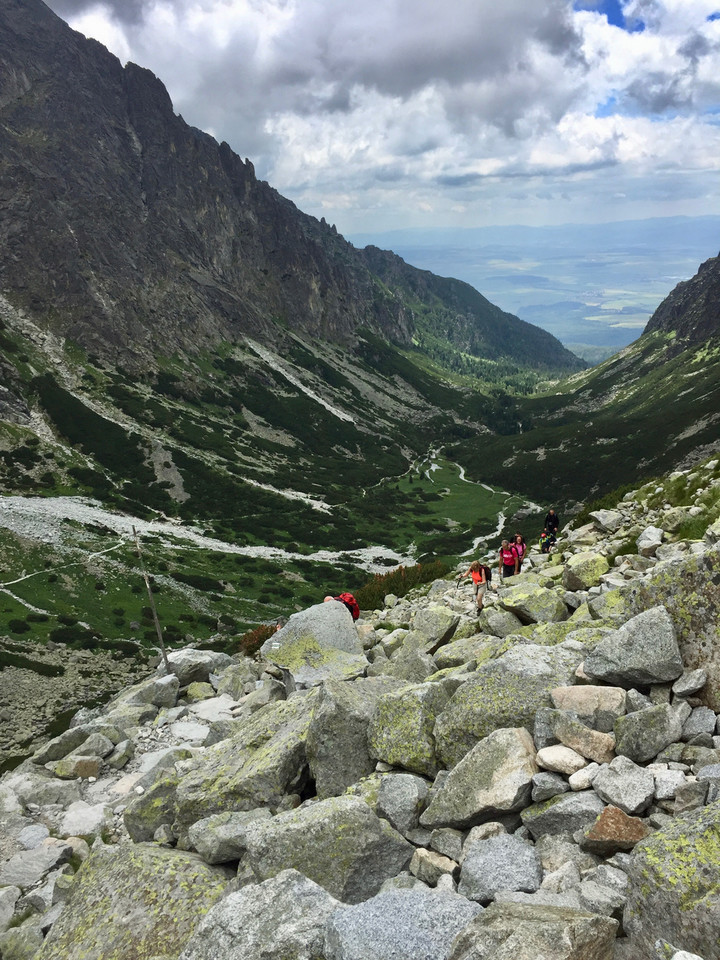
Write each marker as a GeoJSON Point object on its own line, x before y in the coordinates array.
{"type": "Point", "coordinates": [278, 412]}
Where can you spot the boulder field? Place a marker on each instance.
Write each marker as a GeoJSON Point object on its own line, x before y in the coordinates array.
{"type": "Point", "coordinates": [541, 780]}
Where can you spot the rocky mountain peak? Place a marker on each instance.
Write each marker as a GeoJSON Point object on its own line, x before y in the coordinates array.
{"type": "Point", "coordinates": [691, 310]}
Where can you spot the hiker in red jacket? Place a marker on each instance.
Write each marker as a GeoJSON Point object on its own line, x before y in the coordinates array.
{"type": "Point", "coordinates": [508, 562]}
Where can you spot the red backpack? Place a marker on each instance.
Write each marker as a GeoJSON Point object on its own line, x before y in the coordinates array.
{"type": "Point", "coordinates": [351, 603]}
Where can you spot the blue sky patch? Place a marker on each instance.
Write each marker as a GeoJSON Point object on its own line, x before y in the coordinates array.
{"type": "Point", "coordinates": [613, 12]}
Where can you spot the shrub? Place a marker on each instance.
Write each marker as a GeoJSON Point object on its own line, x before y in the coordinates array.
{"type": "Point", "coordinates": [399, 582]}
{"type": "Point", "coordinates": [249, 643]}
{"type": "Point", "coordinates": [18, 626]}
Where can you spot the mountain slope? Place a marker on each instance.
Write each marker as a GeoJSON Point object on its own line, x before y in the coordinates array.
{"type": "Point", "coordinates": [135, 235]}
{"type": "Point", "coordinates": [650, 408]}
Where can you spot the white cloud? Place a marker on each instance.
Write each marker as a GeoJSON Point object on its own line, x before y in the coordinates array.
{"type": "Point", "coordinates": [378, 114]}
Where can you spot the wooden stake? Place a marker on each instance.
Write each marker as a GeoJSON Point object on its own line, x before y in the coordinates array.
{"type": "Point", "coordinates": [145, 577]}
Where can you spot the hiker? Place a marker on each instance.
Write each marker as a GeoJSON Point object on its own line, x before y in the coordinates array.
{"type": "Point", "coordinates": [507, 560]}
{"type": "Point", "coordinates": [547, 539]}
{"type": "Point", "coordinates": [480, 577]}
{"type": "Point", "coordinates": [521, 548]}
{"type": "Point", "coordinates": [552, 521]}
{"type": "Point", "coordinates": [349, 601]}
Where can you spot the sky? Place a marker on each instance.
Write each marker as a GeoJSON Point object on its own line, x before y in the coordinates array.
{"type": "Point", "coordinates": [386, 114]}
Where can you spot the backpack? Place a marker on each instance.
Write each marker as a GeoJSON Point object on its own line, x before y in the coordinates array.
{"type": "Point", "coordinates": [351, 603]}
{"type": "Point", "coordinates": [488, 573]}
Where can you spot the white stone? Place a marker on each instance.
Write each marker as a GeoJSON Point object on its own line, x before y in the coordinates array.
{"type": "Point", "coordinates": [560, 759]}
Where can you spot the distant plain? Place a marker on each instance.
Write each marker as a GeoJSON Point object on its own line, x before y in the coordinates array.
{"type": "Point", "coordinates": [593, 286]}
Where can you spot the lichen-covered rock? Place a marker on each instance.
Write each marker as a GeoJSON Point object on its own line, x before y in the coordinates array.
{"type": "Point", "coordinates": [498, 622]}
{"type": "Point", "coordinates": [21, 943]}
{"type": "Point", "coordinates": [133, 900]}
{"type": "Point", "coordinates": [402, 725]}
{"type": "Point", "coordinates": [641, 735]}
{"type": "Point", "coordinates": [256, 766]}
{"type": "Point", "coordinates": [337, 742]}
{"type": "Point", "coordinates": [520, 931]}
{"type": "Point", "coordinates": [283, 917]}
{"type": "Point", "coordinates": [317, 644]}
{"type": "Point", "coordinates": [434, 625]}
{"type": "Point", "coordinates": [221, 838]}
{"type": "Point", "coordinates": [563, 814]}
{"type": "Point", "coordinates": [533, 604]}
{"type": "Point", "coordinates": [153, 808]}
{"type": "Point", "coordinates": [505, 692]}
{"type": "Point", "coordinates": [643, 651]}
{"type": "Point", "coordinates": [494, 777]}
{"type": "Point", "coordinates": [584, 570]}
{"type": "Point", "coordinates": [674, 890]}
{"type": "Point", "coordinates": [159, 691]}
{"type": "Point", "coordinates": [339, 843]}
{"type": "Point", "coordinates": [416, 924]}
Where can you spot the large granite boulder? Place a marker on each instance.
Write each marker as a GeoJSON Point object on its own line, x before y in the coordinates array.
{"type": "Point", "coordinates": [523, 931]}
{"type": "Point", "coordinates": [318, 644]}
{"type": "Point", "coordinates": [191, 666]}
{"type": "Point", "coordinates": [562, 814]}
{"type": "Point", "coordinates": [533, 604]}
{"type": "Point", "coordinates": [584, 570]}
{"type": "Point", "coordinates": [339, 843]}
{"type": "Point", "coordinates": [433, 626]}
{"type": "Point", "coordinates": [337, 742]}
{"type": "Point", "coordinates": [283, 917]}
{"type": "Point", "coordinates": [133, 900]}
{"type": "Point", "coordinates": [643, 651]}
{"type": "Point", "coordinates": [401, 730]}
{"type": "Point", "coordinates": [674, 890]}
{"type": "Point", "coordinates": [221, 838]}
{"type": "Point", "coordinates": [255, 767]}
{"type": "Point", "coordinates": [505, 692]}
{"type": "Point", "coordinates": [416, 924]}
{"type": "Point", "coordinates": [495, 777]}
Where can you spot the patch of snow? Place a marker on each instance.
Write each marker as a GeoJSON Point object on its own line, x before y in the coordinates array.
{"type": "Point", "coordinates": [274, 364]}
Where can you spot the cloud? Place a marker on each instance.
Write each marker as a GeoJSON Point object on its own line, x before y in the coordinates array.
{"type": "Point", "coordinates": [412, 109]}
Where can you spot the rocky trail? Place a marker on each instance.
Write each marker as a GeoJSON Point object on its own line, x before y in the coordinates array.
{"type": "Point", "coordinates": [539, 781]}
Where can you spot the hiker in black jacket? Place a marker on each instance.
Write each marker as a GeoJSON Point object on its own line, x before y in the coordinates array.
{"type": "Point", "coordinates": [552, 521]}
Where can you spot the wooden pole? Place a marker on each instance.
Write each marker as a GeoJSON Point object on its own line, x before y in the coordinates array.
{"type": "Point", "coordinates": [145, 577]}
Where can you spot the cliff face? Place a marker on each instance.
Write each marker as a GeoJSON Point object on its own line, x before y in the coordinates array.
{"type": "Point", "coordinates": [131, 232]}
{"type": "Point", "coordinates": [692, 309]}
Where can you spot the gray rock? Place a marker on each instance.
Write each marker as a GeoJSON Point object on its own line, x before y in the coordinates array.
{"type": "Point", "coordinates": [701, 720]}
{"type": "Point", "coordinates": [32, 836]}
{"type": "Point", "coordinates": [649, 541]}
{"type": "Point", "coordinates": [447, 842]}
{"type": "Point", "coordinates": [436, 625]}
{"type": "Point", "coordinates": [564, 814]}
{"type": "Point", "coordinates": [625, 785]}
{"type": "Point", "coordinates": [637, 701]}
{"type": "Point", "coordinates": [597, 707]}
{"type": "Point", "coordinates": [643, 651]}
{"type": "Point", "coordinates": [642, 735]}
{"type": "Point", "coordinates": [598, 898]}
{"type": "Point", "coordinates": [283, 917]}
{"type": "Point", "coordinates": [133, 900]}
{"type": "Point", "coordinates": [154, 808]}
{"type": "Point", "coordinates": [401, 799]}
{"type": "Point", "coordinates": [556, 850]}
{"type": "Point", "coordinates": [506, 692]}
{"type": "Point", "coordinates": [62, 745]}
{"type": "Point", "coordinates": [533, 604]}
{"type": "Point", "coordinates": [500, 863]}
{"type": "Point", "coordinates": [609, 521]}
{"type": "Point", "coordinates": [528, 931]}
{"type": "Point", "coordinates": [195, 666]}
{"type": "Point", "coordinates": [498, 622]}
{"type": "Point", "coordinates": [159, 691]}
{"type": "Point", "coordinates": [674, 882]}
{"type": "Point", "coordinates": [494, 777]}
{"type": "Point", "coordinates": [236, 676]}
{"type": "Point", "coordinates": [399, 925]}
{"type": "Point", "coordinates": [21, 943]}
{"type": "Point", "coordinates": [667, 783]}
{"type": "Point", "coordinates": [691, 682]}
{"type": "Point", "coordinates": [221, 838]}
{"type": "Point", "coordinates": [257, 766]}
{"type": "Point", "coordinates": [28, 867]}
{"type": "Point", "coordinates": [337, 741]}
{"type": "Point", "coordinates": [339, 843]}
{"type": "Point", "coordinates": [82, 819]}
{"type": "Point", "coordinates": [8, 898]}
{"type": "Point", "coordinates": [317, 644]}
{"type": "Point", "coordinates": [547, 785]}
{"type": "Point", "coordinates": [402, 726]}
